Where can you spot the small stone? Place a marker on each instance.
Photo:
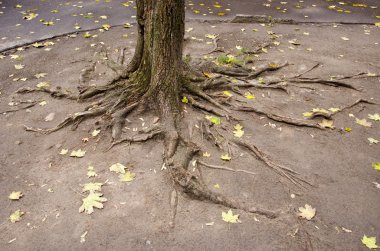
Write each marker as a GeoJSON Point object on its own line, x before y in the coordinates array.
{"type": "Point", "coordinates": [18, 142]}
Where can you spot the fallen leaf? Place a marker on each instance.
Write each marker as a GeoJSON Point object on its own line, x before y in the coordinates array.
{"type": "Point", "coordinates": [64, 151]}
{"type": "Point", "coordinates": [16, 216]}
{"type": "Point", "coordinates": [369, 242]}
{"type": "Point", "coordinates": [19, 66]}
{"type": "Point", "coordinates": [206, 154]}
{"type": "Point", "coordinates": [40, 75]}
{"type": "Point", "coordinates": [91, 172]}
{"type": "Point", "coordinates": [326, 123]}
{"type": "Point", "coordinates": [363, 122]}
{"type": "Point", "coordinates": [225, 157]}
{"type": "Point", "coordinates": [95, 133]}
{"type": "Point", "coordinates": [333, 109]}
{"type": "Point", "coordinates": [78, 153]}
{"type": "Point", "coordinates": [216, 185]}
{"type": "Point", "coordinates": [213, 119]}
{"type": "Point", "coordinates": [238, 132]}
{"type": "Point", "coordinates": [375, 116]}
{"type": "Point", "coordinates": [42, 103]}
{"type": "Point", "coordinates": [307, 212]}
{"type": "Point", "coordinates": [348, 129]}
{"type": "Point", "coordinates": [230, 217]}
{"type": "Point", "coordinates": [127, 177]}
{"type": "Point", "coordinates": [92, 187]}
{"type": "Point", "coordinates": [227, 94]}
{"type": "Point", "coordinates": [376, 166]}
{"type": "Point", "coordinates": [249, 95]}
{"type": "Point", "coordinates": [15, 195]}
{"type": "Point", "coordinates": [92, 200]}
{"type": "Point", "coordinates": [185, 100]}
{"type": "Point", "coordinates": [42, 85]}
{"type": "Point", "coordinates": [373, 141]}
{"type": "Point", "coordinates": [118, 168]}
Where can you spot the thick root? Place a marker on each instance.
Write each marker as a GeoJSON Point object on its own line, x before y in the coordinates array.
{"type": "Point", "coordinates": [277, 118]}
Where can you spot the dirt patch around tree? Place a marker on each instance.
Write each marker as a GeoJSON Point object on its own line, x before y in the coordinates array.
{"type": "Point", "coordinates": [136, 216]}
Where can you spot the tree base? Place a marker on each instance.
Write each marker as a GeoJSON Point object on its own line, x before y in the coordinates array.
{"type": "Point", "coordinates": [114, 101]}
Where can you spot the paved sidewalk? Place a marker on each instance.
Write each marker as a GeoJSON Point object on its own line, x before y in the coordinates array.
{"type": "Point", "coordinates": [49, 18]}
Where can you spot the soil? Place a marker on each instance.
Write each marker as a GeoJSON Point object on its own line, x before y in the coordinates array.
{"type": "Point", "coordinates": [137, 214]}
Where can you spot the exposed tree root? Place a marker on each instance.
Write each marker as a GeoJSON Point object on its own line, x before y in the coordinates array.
{"type": "Point", "coordinates": [278, 118]}
{"type": "Point", "coordinates": [74, 120]}
{"type": "Point", "coordinates": [137, 138]}
{"type": "Point", "coordinates": [281, 170]}
{"type": "Point", "coordinates": [270, 67]}
{"type": "Point", "coordinates": [58, 93]}
{"type": "Point", "coordinates": [29, 105]}
{"type": "Point", "coordinates": [224, 168]}
{"type": "Point", "coordinates": [120, 96]}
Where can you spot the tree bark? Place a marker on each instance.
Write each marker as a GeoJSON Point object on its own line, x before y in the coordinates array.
{"type": "Point", "coordinates": [157, 63]}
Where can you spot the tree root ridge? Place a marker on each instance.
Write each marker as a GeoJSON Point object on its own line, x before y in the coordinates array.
{"type": "Point", "coordinates": [278, 118]}
{"type": "Point", "coordinates": [194, 186]}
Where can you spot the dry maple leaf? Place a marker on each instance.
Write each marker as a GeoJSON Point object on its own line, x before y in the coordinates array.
{"type": "Point", "coordinates": [118, 168]}
{"type": "Point", "coordinates": [363, 122]}
{"type": "Point", "coordinates": [16, 216]}
{"type": "Point", "coordinates": [127, 177]}
{"type": "Point", "coordinates": [307, 212]}
{"type": "Point", "coordinates": [92, 200]}
{"type": "Point", "coordinates": [230, 217]}
{"type": "Point", "coordinates": [369, 242]}
{"type": "Point", "coordinates": [15, 195]}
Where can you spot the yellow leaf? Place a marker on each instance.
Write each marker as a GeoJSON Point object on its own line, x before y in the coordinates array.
{"type": "Point", "coordinates": [332, 109]}
{"type": "Point", "coordinates": [127, 177]}
{"type": "Point", "coordinates": [227, 94]}
{"type": "Point", "coordinates": [230, 217]}
{"type": "Point", "coordinates": [106, 26]}
{"type": "Point", "coordinates": [95, 133]}
{"type": "Point", "coordinates": [238, 132]}
{"type": "Point", "coordinates": [118, 168]}
{"type": "Point", "coordinates": [42, 103]}
{"type": "Point", "coordinates": [91, 172]}
{"type": "Point", "coordinates": [78, 153]}
{"type": "Point", "coordinates": [348, 129]}
{"type": "Point", "coordinates": [249, 95]}
{"type": "Point", "coordinates": [373, 141]}
{"type": "Point", "coordinates": [326, 123]}
{"type": "Point", "coordinates": [92, 200]}
{"type": "Point", "coordinates": [377, 24]}
{"type": "Point", "coordinates": [363, 122]}
{"type": "Point", "coordinates": [307, 212]}
{"type": "Point", "coordinates": [213, 119]}
{"type": "Point", "coordinates": [42, 85]}
{"type": "Point", "coordinates": [216, 185]}
{"type": "Point", "coordinates": [40, 75]}
{"type": "Point", "coordinates": [225, 157]}
{"type": "Point", "coordinates": [206, 154]}
{"type": "Point", "coordinates": [92, 187]}
{"type": "Point", "coordinates": [211, 36]}
{"type": "Point", "coordinates": [16, 216]}
{"type": "Point", "coordinates": [375, 116]}
{"type": "Point", "coordinates": [19, 66]}
{"type": "Point", "coordinates": [369, 242]}
{"type": "Point", "coordinates": [307, 114]}
{"type": "Point", "coordinates": [15, 195]}
{"type": "Point", "coordinates": [64, 151]}
{"type": "Point", "coordinates": [376, 166]}
{"type": "Point", "coordinates": [185, 100]}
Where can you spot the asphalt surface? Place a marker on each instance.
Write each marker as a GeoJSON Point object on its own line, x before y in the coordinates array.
{"type": "Point", "coordinates": [25, 21]}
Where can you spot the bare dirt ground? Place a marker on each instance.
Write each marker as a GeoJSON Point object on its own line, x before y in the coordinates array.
{"type": "Point", "coordinates": [137, 214]}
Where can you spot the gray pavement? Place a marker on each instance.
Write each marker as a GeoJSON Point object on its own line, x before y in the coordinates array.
{"type": "Point", "coordinates": [25, 21]}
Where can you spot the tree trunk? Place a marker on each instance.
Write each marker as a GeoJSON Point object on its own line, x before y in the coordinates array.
{"type": "Point", "coordinates": [157, 63]}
